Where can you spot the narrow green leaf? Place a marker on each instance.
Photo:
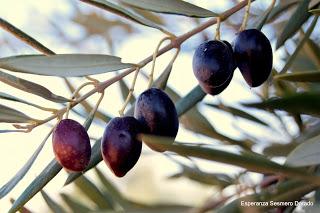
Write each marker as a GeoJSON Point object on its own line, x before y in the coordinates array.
{"type": "Point", "coordinates": [75, 206]}
{"type": "Point", "coordinates": [197, 175]}
{"type": "Point", "coordinates": [93, 193]}
{"type": "Point", "coordinates": [305, 154]}
{"type": "Point", "coordinates": [315, 11]}
{"type": "Point", "coordinates": [54, 206]}
{"type": "Point", "coordinates": [118, 10]}
{"type": "Point", "coordinates": [299, 16]}
{"type": "Point", "coordinates": [177, 7]}
{"type": "Point", "coordinates": [306, 76]}
{"type": "Point", "coordinates": [261, 20]}
{"type": "Point", "coordinates": [30, 87]}
{"type": "Point", "coordinates": [51, 170]}
{"type": "Point", "coordinates": [8, 115]}
{"type": "Point", "coordinates": [162, 81]}
{"type": "Point", "coordinates": [238, 112]}
{"type": "Point", "coordinates": [249, 161]}
{"type": "Point", "coordinates": [280, 8]}
{"type": "Point", "coordinates": [124, 89]}
{"type": "Point", "coordinates": [279, 150]}
{"type": "Point", "coordinates": [299, 46]}
{"type": "Point", "coordinates": [4, 190]}
{"type": "Point", "coordinates": [303, 103]}
{"type": "Point", "coordinates": [63, 65]}
{"type": "Point", "coordinates": [12, 98]}
{"type": "Point", "coordinates": [112, 190]}
{"type": "Point", "coordinates": [190, 100]}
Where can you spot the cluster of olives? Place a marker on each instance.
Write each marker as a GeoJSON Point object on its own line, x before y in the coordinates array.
{"type": "Point", "coordinates": [121, 147]}
{"type": "Point", "coordinates": [214, 61]}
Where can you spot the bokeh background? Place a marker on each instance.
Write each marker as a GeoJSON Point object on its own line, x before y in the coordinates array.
{"type": "Point", "coordinates": [75, 27]}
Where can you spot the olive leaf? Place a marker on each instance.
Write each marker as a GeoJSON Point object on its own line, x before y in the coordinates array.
{"type": "Point", "coordinates": [315, 11]}
{"type": "Point", "coordinates": [54, 206]}
{"type": "Point", "coordinates": [63, 65]}
{"type": "Point", "coordinates": [177, 7]}
{"type": "Point", "coordinates": [103, 201]}
{"type": "Point", "coordinates": [116, 9]}
{"type": "Point", "coordinates": [299, 16]}
{"type": "Point", "coordinates": [12, 98]}
{"type": "Point", "coordinates": [30, 87]}
{"type": "Point", "coordinates": [306, 76]}
{"type": "Point", "coordinates": [303, 103]}
{"type": "Point", "coordinates": [74, 205]}
{"type": "Point", "coordinates": [9, 115]}
{"type": "Point", "coordinates": [305, 154]}
{"type": "Point", "coordinates": [250, 161]}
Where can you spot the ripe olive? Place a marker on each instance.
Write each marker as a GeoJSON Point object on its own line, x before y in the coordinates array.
{"type": "Point", "coordinates": [213, 63]}
{"type": "Point", "coordinates": [156, 111]}
{"type": "Point", "coordinates": [253, 54]}
{"type": "Point", "coordinates": [120, 146]}
{"type": "Point", "coordinates": [71, 145]}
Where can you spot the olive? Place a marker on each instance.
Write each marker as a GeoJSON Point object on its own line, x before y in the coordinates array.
{"type": "Point", "coordinates": [120, 146]}
{"type": "Point", "coordinates": [253, 54]}
{"type": "Point", "coordinates": [71, 145]}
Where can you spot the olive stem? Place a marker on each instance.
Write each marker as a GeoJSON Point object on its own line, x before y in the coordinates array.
{"type": "Point", "coordinates": [75, 93]}
{"type": "Point", "coordinates": [121, 111]}
{"type": "Point", "coordinates": [103, 85]}
{"type": "Point", "coordinates": [246, 17]}
{"type": "Point", "coordinates": [217, 37]}
{"type": "Point", "coordinates": [154, 57]}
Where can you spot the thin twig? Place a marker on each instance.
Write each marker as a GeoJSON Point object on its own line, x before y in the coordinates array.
{"type": "Point", "coordinates": [103, 85]}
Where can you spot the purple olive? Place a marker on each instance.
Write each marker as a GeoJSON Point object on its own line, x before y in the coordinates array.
{"type": "Point", "coordinates": [253, 54]}
{"type": "Point", "coordinates": [213, 63]}
{"type": "Point", "coordinates": [120, 146]}
{"type": "Point", "coordinates": [156, 111]}
{"type": "Point", "coordinates": [71, 145]}
{"type": "Point", "coordinates": [216, 90]}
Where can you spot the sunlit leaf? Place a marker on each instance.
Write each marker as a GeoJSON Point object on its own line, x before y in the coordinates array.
{"type": "Point", "coordinates": [4, 190]}
{"type": "Point", "coordinates": [116, 9]}
{"type": "Point", "coordinates": [305, 154]}
{"type": "Point", "coordinates": [9, 115]}
{"type": "Point", "coordinates": [177, 7]}
{"type": "Point", "coordinates": [54, 206]}
{"type": "Point", "coordinates": [30, 87]}
{"type": "Point", "coordinates": [303, 103]}
{"type": "Point", "coordinates": [91, 191]}
{"type": "Point", "coordinates": [63, 65]}
{"type": "Point", "coordinates": [299, 16]}
{"type": "Point", "coordinates": [306, 76]}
